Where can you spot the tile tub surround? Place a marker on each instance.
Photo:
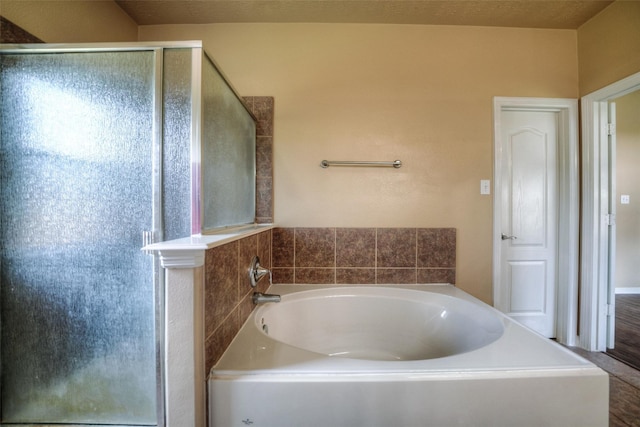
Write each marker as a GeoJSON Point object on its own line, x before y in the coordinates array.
{"type": "Point", "coordinates": [364, 255]}
{"type": "Point", "coordinates": [227, 291]}
{"type": "Point", "coordinates": [317, 256]}
{"type": "Point", "coordinates": [262, 108]}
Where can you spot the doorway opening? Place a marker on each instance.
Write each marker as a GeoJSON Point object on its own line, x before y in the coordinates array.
{"type": "Point", "coordinates": [599, 221]}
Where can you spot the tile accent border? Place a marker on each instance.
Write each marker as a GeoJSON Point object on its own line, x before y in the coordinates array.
{"type": "Point", "coordinates": [364, 255]}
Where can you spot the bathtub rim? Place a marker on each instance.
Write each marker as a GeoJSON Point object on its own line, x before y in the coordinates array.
{"type": "Point", "coordinates": [252, 354]}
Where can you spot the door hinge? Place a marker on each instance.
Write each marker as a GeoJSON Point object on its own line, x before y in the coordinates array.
{"type": "Point", "coordinates": [611, 310]}
{"type": "Point", "coordinates": [611, 219]}
{"type": "Point", "coordinates": [611, 128]}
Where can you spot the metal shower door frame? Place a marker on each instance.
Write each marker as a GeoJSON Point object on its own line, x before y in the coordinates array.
{"type": "Point", "coordinates": [157, 226]}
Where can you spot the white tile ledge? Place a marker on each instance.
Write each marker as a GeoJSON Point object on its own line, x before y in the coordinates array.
{"type": "Point", "coordinates": [188, 252]}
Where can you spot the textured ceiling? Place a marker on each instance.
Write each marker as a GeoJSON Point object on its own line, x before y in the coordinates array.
{"type": "Point", "coordinates": [569, 14]}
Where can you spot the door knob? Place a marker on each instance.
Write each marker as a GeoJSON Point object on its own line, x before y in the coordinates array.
{"type": "Point", "coordinates": [505, 237]}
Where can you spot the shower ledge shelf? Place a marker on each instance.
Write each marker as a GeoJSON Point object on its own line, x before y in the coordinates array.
{"type": "Point", "coordinates": [188, 252]}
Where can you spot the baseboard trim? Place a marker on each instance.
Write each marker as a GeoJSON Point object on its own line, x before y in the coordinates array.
{"type": "Point", "coordinates": [627, 291]}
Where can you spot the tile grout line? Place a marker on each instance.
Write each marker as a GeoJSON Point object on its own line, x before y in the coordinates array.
{"type": "Point", "coordinates": [375, 255]}
{"type": "Point", "coordinates": [416, 257]}
{"type": "Point", "coordinates": [335, 261]}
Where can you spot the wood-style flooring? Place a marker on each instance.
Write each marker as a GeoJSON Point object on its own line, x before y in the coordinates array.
{"type": "Point", "coordinates": [624, 380]}
{"type": "Point", "coordinates": [627, 343]}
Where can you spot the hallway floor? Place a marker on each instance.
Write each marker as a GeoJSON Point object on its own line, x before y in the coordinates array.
{"type": "Point", "coordinates": [627, 348]}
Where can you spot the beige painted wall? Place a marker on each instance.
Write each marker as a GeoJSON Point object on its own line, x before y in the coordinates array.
{"type": "Point", "coordinates": [79, 21]}
{"type": "Point", "coordinates": [628, 182]}
{"type": "Point", "coordinates": [609, 46]}
{"type": "Point", "coordinates": [421, 94]}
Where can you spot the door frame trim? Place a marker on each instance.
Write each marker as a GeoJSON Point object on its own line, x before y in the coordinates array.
{"type": "Point", "coordinates": [594, 269]}
{"type": "Point", "coordinates": [568, 205]}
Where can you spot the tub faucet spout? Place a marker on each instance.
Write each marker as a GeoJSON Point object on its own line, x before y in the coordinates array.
{"type": "Point", "coordinates": [260, 298]}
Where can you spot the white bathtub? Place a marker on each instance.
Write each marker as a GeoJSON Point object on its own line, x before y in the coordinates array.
{"type": "Point", "coordinates": [424, 355]}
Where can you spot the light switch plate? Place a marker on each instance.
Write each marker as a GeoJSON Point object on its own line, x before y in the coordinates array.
{"type": "Point", "coordinates": [624, 199]}
{"type": "Point", "coordinates": [485, 186]}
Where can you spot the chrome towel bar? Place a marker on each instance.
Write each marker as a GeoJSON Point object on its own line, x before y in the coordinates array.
{"type": "Point", "coordinates": [326, 163]}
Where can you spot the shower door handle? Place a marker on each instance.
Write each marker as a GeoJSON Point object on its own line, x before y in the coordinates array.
{"type": "Point", "coordinates": [505, 237]}
{"type": "Point", "coordinates": [147, 239]}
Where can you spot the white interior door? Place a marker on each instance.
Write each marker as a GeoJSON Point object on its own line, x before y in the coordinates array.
{"type": "Point", "coordinates": [528, 218]}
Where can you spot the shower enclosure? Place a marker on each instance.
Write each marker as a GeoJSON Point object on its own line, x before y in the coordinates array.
{"type": "Point", "coordinates": [103, 149]}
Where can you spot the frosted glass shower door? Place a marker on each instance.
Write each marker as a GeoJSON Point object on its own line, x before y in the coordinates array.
{"type": "Point", "coordinates": [78, 341]}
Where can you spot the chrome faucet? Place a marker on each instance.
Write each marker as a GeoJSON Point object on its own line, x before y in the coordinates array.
{"type": "Point", "coordinates": [257, 272]}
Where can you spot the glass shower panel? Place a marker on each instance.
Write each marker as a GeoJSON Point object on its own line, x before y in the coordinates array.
{"type": "Point", "coordinates": [177, 112]}
{"type": "Point", "coordinates": [76, 292]}
{"type": "Point", "coordinates": [228, 154]}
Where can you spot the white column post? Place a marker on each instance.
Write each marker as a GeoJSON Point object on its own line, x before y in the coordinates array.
{"type": "Point", "coordinates": [185, 379]}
